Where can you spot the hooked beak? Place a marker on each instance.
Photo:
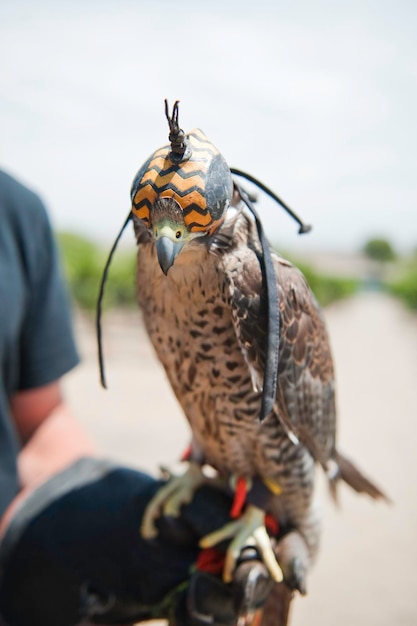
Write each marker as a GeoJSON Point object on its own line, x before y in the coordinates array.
{"type": "Point", "coordinates": [167, 251]}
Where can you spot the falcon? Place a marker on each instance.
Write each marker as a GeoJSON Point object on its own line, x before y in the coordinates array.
{"type": "Point", "coordinates": [245, 349]}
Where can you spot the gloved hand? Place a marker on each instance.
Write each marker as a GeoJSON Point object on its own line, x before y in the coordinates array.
{"type": "Point", "coordinates": [73, 552]}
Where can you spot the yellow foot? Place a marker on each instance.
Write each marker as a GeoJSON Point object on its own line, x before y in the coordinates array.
{"type": "Point", "coordinates": [247, 530]}
{"type": "Point", "coordinates": [169, 499]}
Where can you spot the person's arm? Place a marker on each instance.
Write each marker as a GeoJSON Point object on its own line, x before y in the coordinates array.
{"type": "Point", "coordinates": [51, 437]}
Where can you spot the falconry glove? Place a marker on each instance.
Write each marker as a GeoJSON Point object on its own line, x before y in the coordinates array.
{"type": "Point", "coordinates": [73, 553]}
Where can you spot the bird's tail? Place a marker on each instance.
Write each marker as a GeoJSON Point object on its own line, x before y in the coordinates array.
{"type": "Point", "coordinates": [348, 472]}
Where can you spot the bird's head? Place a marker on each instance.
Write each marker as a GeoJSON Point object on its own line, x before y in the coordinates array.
{"type": "Point", "coordinates": [182, 191]}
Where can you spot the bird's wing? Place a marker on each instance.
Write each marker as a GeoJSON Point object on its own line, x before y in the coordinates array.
{"type": "Point", "coordinates": [305, 371]}
{"type": "Point", "coordinates": [305, 396]}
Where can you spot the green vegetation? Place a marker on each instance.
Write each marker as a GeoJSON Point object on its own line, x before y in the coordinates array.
{"type": "Point", "coordinates": [83, 263]}
{"type": "Point", "coordinates": [379, 250]}
{"type": "Point", "coordinates": [404, 284]}
{"type": "Point", "coordinates": [401, 279]}
{"type": "Point", "coordinates": [328, 289]}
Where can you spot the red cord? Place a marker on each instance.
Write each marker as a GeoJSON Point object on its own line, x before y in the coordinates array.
{"type": "Point", "coordinates": [272, 525]}
{"type": "Point", "coordinates": [240, 498]}
{"type": "Point", "coordinates": [185, 456]}
{"type": "Point", "coordinates": [210, 560]}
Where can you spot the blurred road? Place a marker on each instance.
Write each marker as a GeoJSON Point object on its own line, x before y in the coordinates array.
{"type": "Point", "coordinates": [366, 573]}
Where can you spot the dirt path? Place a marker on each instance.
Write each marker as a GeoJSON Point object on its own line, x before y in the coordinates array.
{"type": "Point", "coordinates": [366, 573]}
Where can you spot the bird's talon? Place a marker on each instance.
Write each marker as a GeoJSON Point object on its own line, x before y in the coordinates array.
{"type": "Point", "coordinates": [148, 529]}
{"type": "Point", "coordinates": [169, 499]}
{"type": "Point", "coordinates": [247, 530]}
{"type": "Point", "coordinates": [263, 542]}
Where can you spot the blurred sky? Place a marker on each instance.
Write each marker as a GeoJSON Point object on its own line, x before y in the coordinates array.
{"type": "Point", "coordinates": [316, 98]}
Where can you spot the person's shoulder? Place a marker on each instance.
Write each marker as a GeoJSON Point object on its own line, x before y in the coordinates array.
{"type": "Point", "coordinates": [14, 193]}
{"type": "Point", "coordinates": [20, 205]}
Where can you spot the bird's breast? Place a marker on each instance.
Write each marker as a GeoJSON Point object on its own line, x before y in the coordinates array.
{"type": "Point", "coordinates": [190, 325]}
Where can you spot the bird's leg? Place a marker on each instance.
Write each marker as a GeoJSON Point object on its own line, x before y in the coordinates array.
{"type": "Point", "coordinates": [169, 499]}
{"type": "Point", "coordinates": [249, 529]}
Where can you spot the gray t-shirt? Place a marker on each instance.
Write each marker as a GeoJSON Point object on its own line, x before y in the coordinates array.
{"type": "Point", "coordinates": [36, 340]}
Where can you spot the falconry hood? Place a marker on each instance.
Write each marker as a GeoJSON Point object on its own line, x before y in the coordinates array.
{"type": "Point", "coordinates": [190, 170]}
